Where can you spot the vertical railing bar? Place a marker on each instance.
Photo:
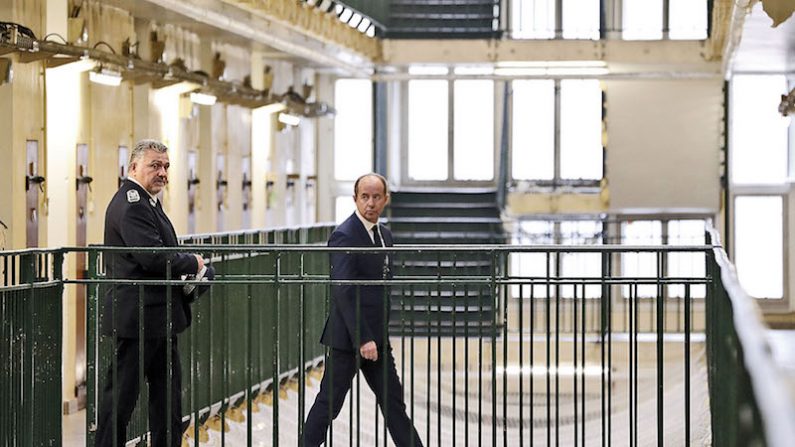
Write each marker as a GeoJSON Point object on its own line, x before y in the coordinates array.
{"type": "Point", "coordinates": [275, 350]}
{"type": "Point", "coordinates": [428, 365]}
{"type": "Point", "coordinates": [504, 306]}
{"type": "Point", "coordinates": [301, 346]}
{"type": "Point", "coordinates": [660, 346]}
{"type": "Point", "coordinates": [92, 337]}
{"type": "Point", "coordinates": [635, 364]}
{"type": "Point", "coordinates": [455, 329]}
{"type": "Point", "coordinates": [575, 362]}
{"type": "Point", "coordinates": [631, 303]}
{"type": "Point", "coordinates": [609, 330]}
{"type": "Point", "coordinates": [226, 372]}
{"type": "Point", "coordinates": [532, 361]}
{"type": "Point", "coordinates": [413, 297]}
{"type": "Point", "coordinates": [358, 363]}
{"type": "Point", "coordinates": [169, 354]}
{"type": "Point", "coordinates": [466, 373]}
{"type": "Point", "coordinates": [439, 330]}
{"type": "Point", "coordinates": [557, 349]}
{"type": "Point", "coordinates": [582, 372]}
{"type": "Point", "coordinates": [548, 317]}
{"type": "Point", "coordinates": [480, 366]}
{"type": "Point", "coordinates": [687, 363]}
{"type": "Point", "coordinates": [249, 351]}
{"type": "Point", "coordinates": [521, 365]}
{"type": "Point", "coordinates": [329, 367]}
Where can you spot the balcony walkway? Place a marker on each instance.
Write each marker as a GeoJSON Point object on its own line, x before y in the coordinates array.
{"type": "Point", "coordinates": [441, 411]}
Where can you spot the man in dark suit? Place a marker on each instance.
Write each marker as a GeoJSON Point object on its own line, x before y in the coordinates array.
{"type": "Point", "coordinates": [135, 218]}
{"type": "Point", "coordinates": [355, 335]}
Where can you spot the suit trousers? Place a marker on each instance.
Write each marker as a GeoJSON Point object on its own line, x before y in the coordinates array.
{"type": "Point", "coordinates": [337, 379]}
{"type": "Point", "coordinates": [127, 386]}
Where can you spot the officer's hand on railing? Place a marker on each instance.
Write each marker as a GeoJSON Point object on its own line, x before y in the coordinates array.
{"type": "Point", "coordinates": [369, 351]}
{"type": "Point", "coordinates": [200, 261]}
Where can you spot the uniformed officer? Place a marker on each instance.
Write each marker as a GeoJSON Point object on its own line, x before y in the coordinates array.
{"type": "Point", "coordinates": [135, 218]}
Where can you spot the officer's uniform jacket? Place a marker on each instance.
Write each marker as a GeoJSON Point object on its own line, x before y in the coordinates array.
{"type": "Point", "coordinates": [133, 219]}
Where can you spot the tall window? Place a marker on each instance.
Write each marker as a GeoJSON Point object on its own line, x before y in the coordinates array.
{"type": "Point", "coordinates": [643, 19]}
{"type": "Point", "coordinates": [580, 19]}
{"type": "Point", "coordinates": [580, 130]}
{"type": "Point", "coordinates": [758, 245]}
{"type": "Point", "coordinates": [577, 153]}
{"type": "Point", "coordinates": [353, 128]}
{"type": "Point", "coordinates": [759, 132]}
{"type": "Point", "coordinates": [533, 19]}
{"type": "Point", "coordinates": [427, 146]}
{"type": "Point", "coordinates": [688, 19]}
{"type": "Point", "coordinates": [469, 155]}
{"type": "Point", "coordinates": [536, 19]}
{"type": "Point", "coordinates": [759, 173]}
{"type": "Point", "coordinates": [473, 130]}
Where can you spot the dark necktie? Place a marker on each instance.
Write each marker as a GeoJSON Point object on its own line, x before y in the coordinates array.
{"type": "Point", "coordinates": [377, 237]}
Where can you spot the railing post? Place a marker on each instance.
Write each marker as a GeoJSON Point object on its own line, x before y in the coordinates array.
{"type": "Point", "coordinates": [91, 348]}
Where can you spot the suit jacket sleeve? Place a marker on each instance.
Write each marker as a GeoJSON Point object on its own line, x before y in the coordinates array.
{"type": "Point", "coordinates": [343, 266]}
{"type": "Point", "coordinates": [139, 229]}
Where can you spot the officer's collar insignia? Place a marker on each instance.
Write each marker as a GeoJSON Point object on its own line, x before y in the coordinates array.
{"type": "Point", "coordinates": [152, 202]}
{"type": "Point", "coordinates": [133, 196]}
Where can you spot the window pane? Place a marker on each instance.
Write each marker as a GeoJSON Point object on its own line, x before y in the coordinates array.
{"type": "Point", "coordinates": [533, 19]}
{"type": "Point", "coordinates": [427, 130]}
{"type": "Point", "coordinates": [344, 207]}
{"type": "Point", "coordinates": [642, 19]}
{"type": "Point", "coordinates": [533, 125]}
{"type": "Point", "coordinates": [532, 232]}
{"type": "Point", "coordinates": [473, 130]}
{"type": "Point", "coordinates": [581, 19]}
{"type": "Point", "coordinates": [687, 19]}
{"type": "Point", "coordinates": [758, 242]}
{"type": "Point", "coordinates": [759, 132]}
{"type": "Point", "coordinates": [353, 128]}
{"type": "Point", "coordinates": [640, 265]}
{"type": "Point", "coordinates": [581, 265]}
{"type": "Point", "coordinates": [686, 265]}
{"type": "Point", "coordinates": [580, 129]}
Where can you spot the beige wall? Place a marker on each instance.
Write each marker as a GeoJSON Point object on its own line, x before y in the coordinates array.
{"type": "Point", "coordinates": [21, 119]}
{"type": "Point", "coordinates": [664, 138]}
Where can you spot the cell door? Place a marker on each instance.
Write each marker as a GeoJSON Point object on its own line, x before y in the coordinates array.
{"type": "Point", "coordinates": [245, 163]}
{"type": "Point", "coordinates": [124, 156]}
{"type": "Point", "coordinates": [193, 183]}
{"type": "Point", "coordinates": [220, 191]}
{"type": "Point", "coordinates": [33, 186]}
{"type": "Point", "coordinates": [82, 184]}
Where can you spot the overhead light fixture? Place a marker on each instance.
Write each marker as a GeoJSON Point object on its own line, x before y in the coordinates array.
{"type": "Point", "coordinates": [290, 120]}
{"type": "Point", "coordinates": [204, 99]}
{"type": "Point", "coordinates": [272, 108]}
{"type": "Point", "coordinates": [104, 76]}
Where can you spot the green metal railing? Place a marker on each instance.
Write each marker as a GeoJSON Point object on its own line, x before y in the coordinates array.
{"type": "Point", "coordinates": [30, 348]}
{"type": "Point", "coordinates": [574, 360]}
{"type": "Point", "coordinates": [751, 400]}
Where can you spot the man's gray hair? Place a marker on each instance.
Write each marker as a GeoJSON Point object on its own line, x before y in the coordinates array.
{"type": "Point", "coordinates": [147, 145]}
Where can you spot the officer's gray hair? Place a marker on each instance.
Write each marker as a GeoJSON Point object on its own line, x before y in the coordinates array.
{"type": "Point", "coordinates": [146, 145]}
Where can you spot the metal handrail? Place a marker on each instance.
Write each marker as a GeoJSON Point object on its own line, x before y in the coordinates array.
{"type": "Point", "coordinates": [777, 408]}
